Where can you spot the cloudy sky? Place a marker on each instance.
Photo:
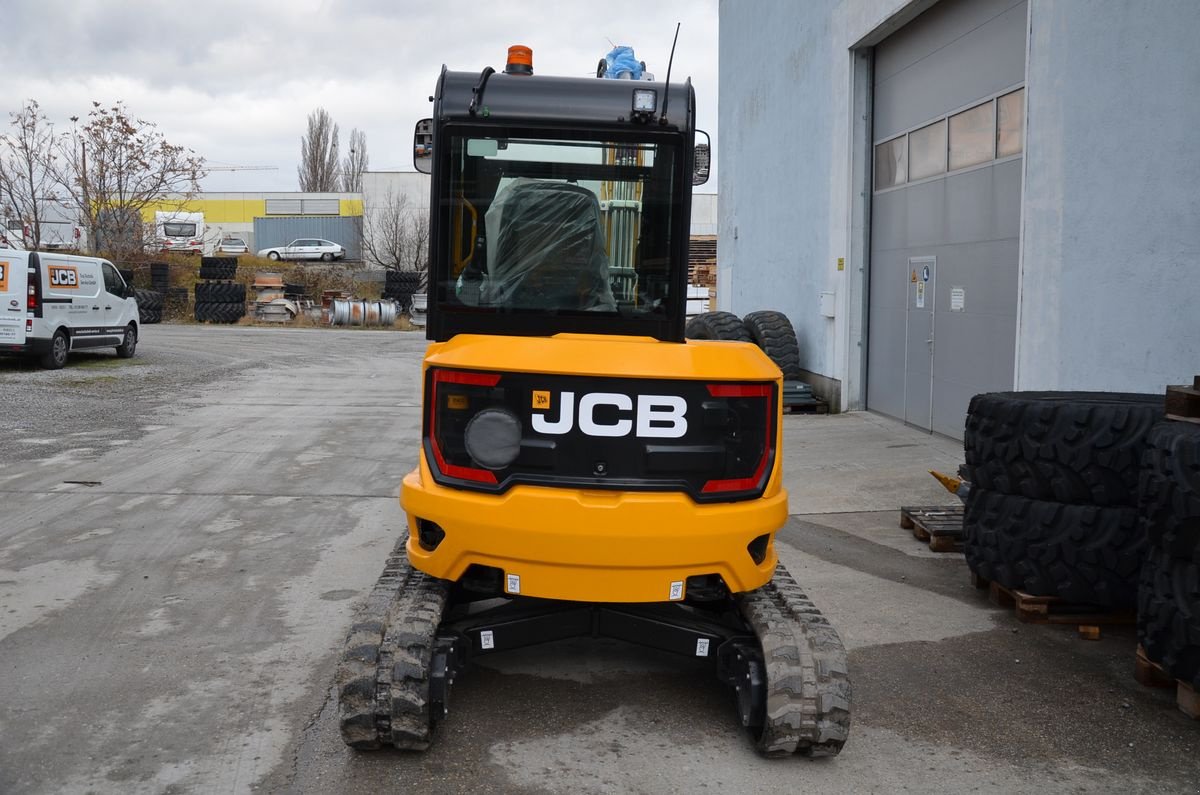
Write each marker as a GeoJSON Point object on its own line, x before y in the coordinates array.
{"type": "Point", "coordinates": [236, 79]}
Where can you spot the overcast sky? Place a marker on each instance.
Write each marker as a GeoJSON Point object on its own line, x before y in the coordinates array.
{"type": "Point", "coordinates": [236, 80]}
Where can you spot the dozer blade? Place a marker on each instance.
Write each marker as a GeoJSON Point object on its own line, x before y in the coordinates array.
{"type": "Point", "coordinates": [807, 685]}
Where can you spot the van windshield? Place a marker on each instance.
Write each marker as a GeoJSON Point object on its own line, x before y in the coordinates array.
{"type": "Point", "coordinates": [556, 224]}
{"type": "Point", "coordinates": [179, 230]}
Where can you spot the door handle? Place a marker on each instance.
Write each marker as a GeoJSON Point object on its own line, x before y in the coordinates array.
{"type": "Point", "coordinates": [108, 307]}
{"type": "Point", "coordinates": [930, 341]}
{"type": "Point", "coordinates": [95, 309]}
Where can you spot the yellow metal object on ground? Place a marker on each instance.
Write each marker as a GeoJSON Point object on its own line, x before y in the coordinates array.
{"type": "Point", "coordinates": [598, 545]}
{"type": "Point", "coordinates": [951, 483]}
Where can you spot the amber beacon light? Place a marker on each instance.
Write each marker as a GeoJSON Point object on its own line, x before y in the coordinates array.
{"type": "Point", "coordinates": [520, 60]}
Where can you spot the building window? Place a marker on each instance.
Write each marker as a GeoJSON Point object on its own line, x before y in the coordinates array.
{"type": "Point", "coordinates": [972, 136]}
{"type": "Point", "coordinates": [927, 151]}
{"type": "Point", "coordinates": [891, 167]}
{"type": "Point", "coordinates": [1010, 123]}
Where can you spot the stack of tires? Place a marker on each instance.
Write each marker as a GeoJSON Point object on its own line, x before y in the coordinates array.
{"type": "Point", "coordinates": [218, 298]}
{"type": "Point", "coordinates": [400, 286]}
{"type": "Point", "coordinates": [1169, 595]}
{"type": "Point", "coordinates": [1053, 506]}
{"type": "Point", "coordinates": [160, 277]}
{"type": "Point", "coordinates": [771, 331]}
{"type": "Point", "coordinates": [150, 305]}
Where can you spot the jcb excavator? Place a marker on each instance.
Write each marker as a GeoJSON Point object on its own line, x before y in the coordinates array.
{"type": "Point", "coordinates": [584, 470]}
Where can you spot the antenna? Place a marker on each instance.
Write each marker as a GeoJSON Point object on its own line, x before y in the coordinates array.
{"type": "Point", "coordinates": [667, 90]}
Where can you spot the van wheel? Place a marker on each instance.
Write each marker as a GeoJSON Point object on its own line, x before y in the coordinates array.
{"type": "Point", "coordinates": [128, 344]}
{"type": "Point", "coordinates": [56, 357]}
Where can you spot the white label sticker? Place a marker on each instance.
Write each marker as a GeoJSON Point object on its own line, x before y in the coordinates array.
{"type": "Point", "coordinates": [958, 298]}
{"type": "Point", "coordinates": [486, 641]}
{"type": "Point", "coordinates": [702, 647]}
{"type": "Point", "coordinates": [920, 295]}
{"type": "Point", "coordinates": [514, 583]}
{"type": "Point", "coordinates": [677, 590]}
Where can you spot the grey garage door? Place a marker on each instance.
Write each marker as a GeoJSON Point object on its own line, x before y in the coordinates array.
{"type": "Point", "coordinates": [945, 214]}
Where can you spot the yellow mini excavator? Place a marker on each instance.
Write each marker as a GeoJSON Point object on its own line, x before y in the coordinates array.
{"type": "Point", "coordinates": [584, 469]}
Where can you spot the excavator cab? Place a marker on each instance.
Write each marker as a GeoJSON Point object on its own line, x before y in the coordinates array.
{"type": "Point", "coordinates": [584, 469]}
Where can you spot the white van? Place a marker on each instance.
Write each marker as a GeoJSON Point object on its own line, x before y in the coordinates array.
{"type": "Point", "coordinates": [51, 304]}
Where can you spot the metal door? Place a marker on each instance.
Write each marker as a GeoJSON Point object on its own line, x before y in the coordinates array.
{"type": "Point", "coordinates": [919, 329]}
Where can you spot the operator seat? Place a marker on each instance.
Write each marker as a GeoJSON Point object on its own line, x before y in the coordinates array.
{"type": "Point", "coordinates": [549, 250]}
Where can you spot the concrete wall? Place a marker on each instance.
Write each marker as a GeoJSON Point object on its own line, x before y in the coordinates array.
{"type": "Point", "coordinates": [785, 176]}
{"type": "Point", "coordinates": [1110, 281]}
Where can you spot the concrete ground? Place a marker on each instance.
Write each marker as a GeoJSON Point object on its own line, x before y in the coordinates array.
{"type": "Point", "coordinates": [183, 538]}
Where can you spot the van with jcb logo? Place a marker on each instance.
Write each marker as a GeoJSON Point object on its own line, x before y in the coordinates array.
{"type": "Point", "coordinates": [52, 304]}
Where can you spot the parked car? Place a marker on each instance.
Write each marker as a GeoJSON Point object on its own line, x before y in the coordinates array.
{"type": "Point", "coordinates": [233, 245]}
{"type": "Point", "coordinates": [306, 248]}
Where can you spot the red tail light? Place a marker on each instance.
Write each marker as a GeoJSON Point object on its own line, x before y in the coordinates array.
{"type": "Point", "coordinates": [471, 382]}
{"type": "Point", "coordinates": [747, 392]}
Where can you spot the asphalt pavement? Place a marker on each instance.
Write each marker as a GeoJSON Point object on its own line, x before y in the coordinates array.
{"type": "Point", "coordinates": [184, 536]}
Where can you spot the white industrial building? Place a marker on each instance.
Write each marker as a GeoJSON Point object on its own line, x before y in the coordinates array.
{"type": "Point", "coordinates": [956, 196]}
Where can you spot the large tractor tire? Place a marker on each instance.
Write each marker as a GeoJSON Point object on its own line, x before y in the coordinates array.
{"type": "Point", "coordinates": [1169, 491]}
{"type": "Point", "coordinates": [1070, 447]}
{"type": "Point", "coordinates": [220, 293]}
{"type": "Point", "coordinates": [149, 316]}
{"type": "Point", "coordinates": [220, 312]}
{"type": "Point", "coordinates": [1082, 553]}
{"type": "Point", "coordinates": [716, 326]}
{"type": "Point", "coordinates": [218, 272]}
{"type": "Point", "coordinates": [148, 300]}
{"type": "Point", "coordinates": [773, 332]}
{"type": "Point", "coordinates": [1169, 614]}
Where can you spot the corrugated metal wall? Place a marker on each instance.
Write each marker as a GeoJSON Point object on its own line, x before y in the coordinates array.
{"type": "Point", "coordinates": [346, 231]}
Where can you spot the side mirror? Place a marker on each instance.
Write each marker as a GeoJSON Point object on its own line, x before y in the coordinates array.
{"type": "Point", "coordinates": [701, 159]}
{"type": "Point", "coordinates": [423, 146]}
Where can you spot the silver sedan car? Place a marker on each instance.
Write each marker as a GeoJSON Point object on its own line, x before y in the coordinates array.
{"type": "Point", "coordinates": [305, 248]}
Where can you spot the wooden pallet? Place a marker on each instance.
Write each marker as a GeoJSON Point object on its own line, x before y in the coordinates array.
{"type": "Point", "coordinates": [940, 526]}
{"type": "Point", "coordinates": [1183, 402]}
{"type": "Point", "coordinates": [1151, 674]}
{"type": "Point", "coordinates": [1032, 609]}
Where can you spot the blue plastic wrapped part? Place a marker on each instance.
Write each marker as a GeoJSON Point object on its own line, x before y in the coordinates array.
{"type": "Point", "coordinates": [623, 64]}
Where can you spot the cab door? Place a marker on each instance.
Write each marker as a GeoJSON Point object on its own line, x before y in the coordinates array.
{"type": "Point", "coordinates": [14, 297]}
{"type": "Point", "coordinates": [114, 304]}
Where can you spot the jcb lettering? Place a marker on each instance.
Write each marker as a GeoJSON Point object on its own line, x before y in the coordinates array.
{"type": "Point", "coordinates": [657, 416]}
{"type": "Point", "coordinates": [3, 277]}
{"type": "Point", "coordinates": [62, 276]}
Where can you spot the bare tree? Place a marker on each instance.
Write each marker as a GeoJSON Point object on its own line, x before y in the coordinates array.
{"type": "Point", "coordinates": [318, 169]}
{"type": "Point", "coordinates": [396, 235]}
{"type": "Point", "coordinates": [116, 166]}
{"type": "Point", "coordinates": [355, 162]}
{"type": "Point", "coordinates": [26, 154]}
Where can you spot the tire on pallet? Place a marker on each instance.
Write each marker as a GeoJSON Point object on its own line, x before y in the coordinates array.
{"type": "Point", "coordinates": [148, 300]}
{"type": "Point", "coordinates": [716, 326]}
{"type": "Point", "coordinates": [220, 292]}
{"type": "Point", "coordinates": [773, 332]}
{"type": "Point", "coordinates": [221, 271]}
{"type": "Point", "coordinates": [1072, 447]}
{"type": "Point", "coordinates": [219, 311]}
{"type": "Point", "coordinates": [1169, 614]}
{"type": "Point", "coordinates": [1081, 553]}
{"type": "Point", "coordinates": [1169, 489]}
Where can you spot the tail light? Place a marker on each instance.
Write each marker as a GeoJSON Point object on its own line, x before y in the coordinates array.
{"type": "Point", "coordinates": [33, 303]}
{"type": "Point", "coordinates": [456, 396]}
{"type": "Point", "coordinates": [750, 444]}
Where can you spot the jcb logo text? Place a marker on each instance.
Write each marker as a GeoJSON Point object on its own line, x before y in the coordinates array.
{"type": "Point", "coordinates": [63, 276]}
{"type": "Point", "coordinates": [657, 416]}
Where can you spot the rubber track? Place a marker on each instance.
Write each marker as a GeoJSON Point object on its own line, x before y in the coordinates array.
{"type": "Point", "coordinates": [383, 678]}
{"type": "Point", "coordinates": [716, 326]}
{"type": "Point", "coordinates": [1169, 614]}
{"type": "Point", "coordinates": [773, 332]}
{"type": "Point", "coordinates": [1169, 489]}
{"type": "Point", "coordinates": [1082, 553]}
{"type": "Point", "coordinates": [808, 683]}
{"type": "Point", "coordinates": [1072, 447]}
